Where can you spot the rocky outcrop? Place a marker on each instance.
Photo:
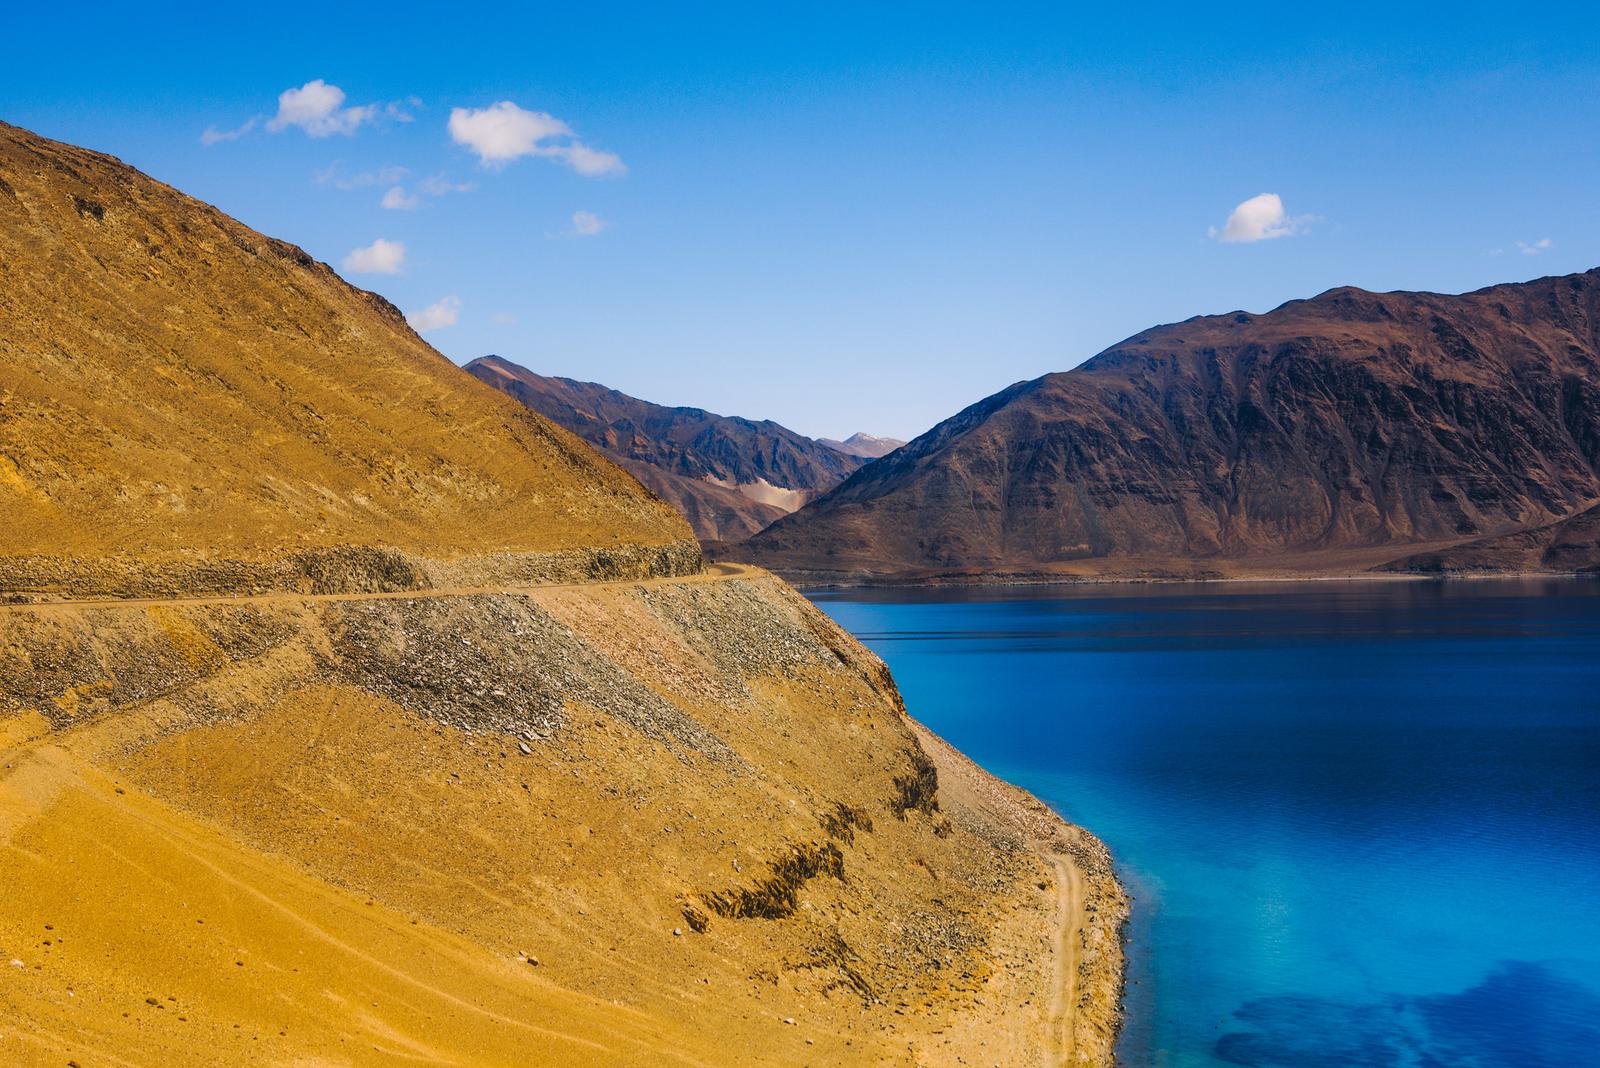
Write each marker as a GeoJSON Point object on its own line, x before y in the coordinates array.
{"type": "Point", "coordinates": [348, 569]}
{"type": "Point", "coordinates": [729, 476]}
{"type": "Point", "coordinates": [1351, 421]}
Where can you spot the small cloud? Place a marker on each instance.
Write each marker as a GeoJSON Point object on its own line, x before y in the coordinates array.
{"type": "Point", "coordinates": [318, 109]}
{"type": "Point", "coordinates": [1261, 218]}
{"type": "Point", "coordinates": [438, 186]}
{"type": "Point", "coordinates": [502, 318]}
{"type": "Point", "coordinates": [390, 175]}
{"type": "Point", "coordinates": [589, 162]}
{"type": "Point", "coordinates": [213, 136]}
{"type": "Point", "coordinates": [503, 132]}
{"type": "Point", "coordinates": [397, 109]}
{"type": "Point", "coordinates": [587, 223]}
{"type": "Point", "coordinates": [1535, 248]}
{"type": "Point", "coordinates": [397, 199]}
{"type": "Point", "coordinates": [380, 257]}
{"type": "Point", "coordinates": [436, 316]}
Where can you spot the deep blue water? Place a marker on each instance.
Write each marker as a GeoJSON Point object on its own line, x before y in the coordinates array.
{"type": "Point", "coordinates": [1361, 821]}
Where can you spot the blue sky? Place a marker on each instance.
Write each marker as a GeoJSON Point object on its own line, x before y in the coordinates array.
{"type": "Point", "coordinates": [848, 217]}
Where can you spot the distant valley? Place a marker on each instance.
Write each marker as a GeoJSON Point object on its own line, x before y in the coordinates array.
{"type": "Point", "coordinates": [729, 476]}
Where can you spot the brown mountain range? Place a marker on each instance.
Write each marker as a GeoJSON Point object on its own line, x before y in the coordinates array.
{"type": "Point", "coordinates": [729, 476]}
{"type": "Point", "coordinates": [352, 713]}
{"type": "Point", "coordinates": [1332, 433]}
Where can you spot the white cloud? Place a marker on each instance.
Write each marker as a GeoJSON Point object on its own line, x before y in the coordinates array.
{"type": "Point", "coordinates": [503, 132]}
{"type": "Point", "coordinates": [212, 135]}
{"type": "Point", "coordinates": [396, 109]}
{"type": "Point", "coordinates": [438, 186]}
{"type": "Point", "coordinates": [1261, 218]}
{"type": "Point", "coordinates": [1534, 248]}
{"type": "Point", "coordinates": [502, 318]}
{"type": "Point", "coordinates": [380, 257]}
{"type": "Point", "coordinates": [436, 316]}
{"type": "Point", "coordinates": [589, 162]}
{"type": "Point", "coordinates": [587, 223]}
{"type": "Point", "coordinates": [389, 175]}
{"type": "Point", "coordinates": [318, 109]}
{"type": "Point", "coordinates": [397, 199]}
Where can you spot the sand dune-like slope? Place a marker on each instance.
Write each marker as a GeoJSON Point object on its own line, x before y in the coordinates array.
{"type": "Point", "coordinates": [337, 729]}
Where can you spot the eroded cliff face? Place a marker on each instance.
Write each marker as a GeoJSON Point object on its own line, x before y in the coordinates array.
{"type": "Point", "coordinates": [1352, 421]}
{"type": "Point", "coordinates": [612, 823]}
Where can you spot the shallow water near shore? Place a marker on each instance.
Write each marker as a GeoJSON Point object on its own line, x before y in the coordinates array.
{"type": "Point", "coordinates": [1361, 820]}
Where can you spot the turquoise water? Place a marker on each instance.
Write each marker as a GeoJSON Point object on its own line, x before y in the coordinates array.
{"type": "Point", "coordinates": [1361, 821]}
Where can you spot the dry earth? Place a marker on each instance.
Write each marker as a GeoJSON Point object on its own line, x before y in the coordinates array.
{"type": "Point", "coordinates": [340, 829]}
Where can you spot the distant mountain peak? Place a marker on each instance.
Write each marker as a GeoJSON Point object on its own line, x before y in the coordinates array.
{"type": "Point", "coordinates": [866, 446]}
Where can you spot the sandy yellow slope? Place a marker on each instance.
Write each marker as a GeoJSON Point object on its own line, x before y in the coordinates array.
{"type": "Point", "coordinates": [176, 387]}
{"type": "Point", "coordinates": [769, 801]}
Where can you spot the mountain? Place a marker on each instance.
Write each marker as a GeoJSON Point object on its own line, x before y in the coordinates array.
{"type": "Point", "coordinates": [351, 713]}
{"type": "Point", "coordinates": [866, 446]}
{"type": "Point", "coordinates": [189, 403]}
{"type": "Point", "coordinates": [1330, 433]}
{"type": "Point", "coordinates": [729, 476]}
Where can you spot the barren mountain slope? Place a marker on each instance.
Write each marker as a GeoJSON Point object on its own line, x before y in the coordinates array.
{"type": "Point", "coordinates": [457, 800]}
{"type": "Point", "coordinates": [1354, 421]}
{"type": "Point", "coordinates": [180, 390]}
{"type": "Point", "coordinates": [730, 476]}
{"type": "Point", "coordinates": [715, 513]}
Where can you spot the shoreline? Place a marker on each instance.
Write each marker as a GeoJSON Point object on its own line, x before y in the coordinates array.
{"type": "Point", "coordinates": [991, 580]}
{"type": "Point", "coordinates": [1086, 1013]}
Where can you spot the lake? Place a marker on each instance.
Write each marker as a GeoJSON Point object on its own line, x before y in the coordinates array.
{"type": "Point", "coordinates": [1360, 820]}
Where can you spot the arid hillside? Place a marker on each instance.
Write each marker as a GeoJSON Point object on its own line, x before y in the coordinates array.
{"type": "Point", "coordinates": [377, 721]}
{"type": "Point", "coordinates": [181, 392]}
{"type": "Point", "coordinates": [729, 476]}
{"type": "Point", "coordinates": [1355, 426]}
